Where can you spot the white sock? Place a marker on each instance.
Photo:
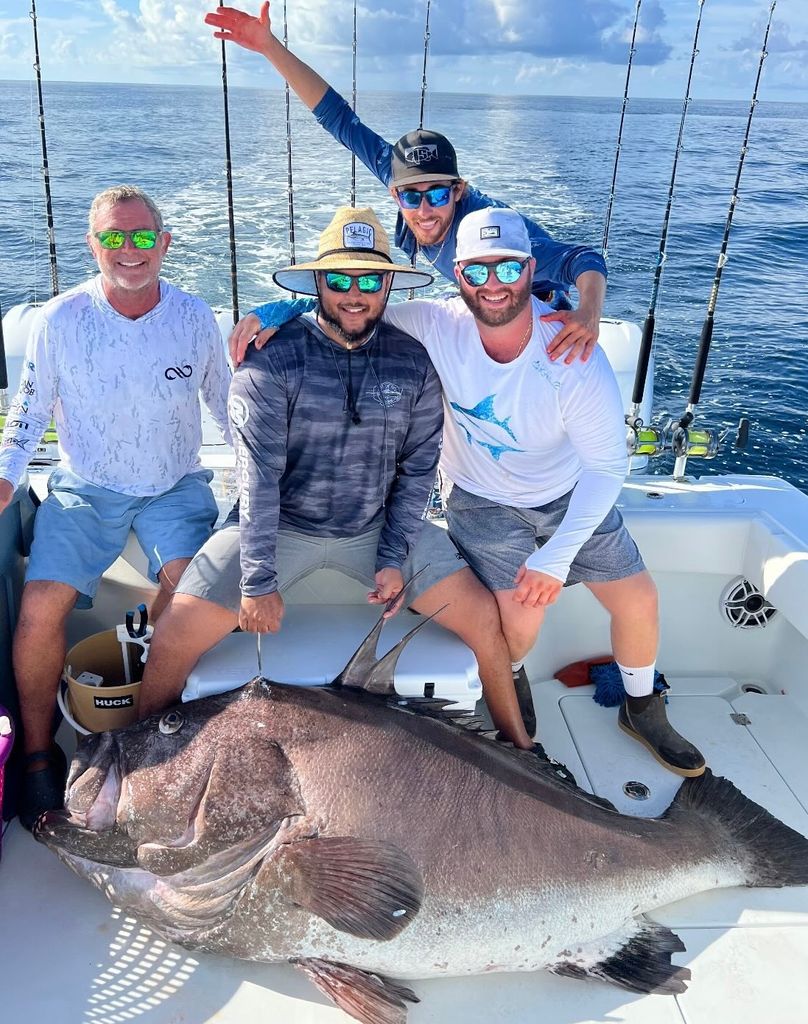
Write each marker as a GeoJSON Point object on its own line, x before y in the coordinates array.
{"type": "Point", "coordinates": [639, 682]}
{"type": "Point", "coordinates": [515, 665]}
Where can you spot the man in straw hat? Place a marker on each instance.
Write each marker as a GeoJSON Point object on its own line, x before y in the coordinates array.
{"type": "Point", "coordinates": [338, 428]}
{"type": "Point", "coordinates": [421, 172]}
{"type": "Point", "coordinates": [536, 451]}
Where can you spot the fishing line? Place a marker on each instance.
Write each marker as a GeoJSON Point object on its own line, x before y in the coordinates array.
{"type": "Point", "coordinates": [423, 73]}
{"type": "Point", "coordinates": [653, 444]}
{"type": "Point", "coordinates": [289, 184]}
{"type": "Point", "coordinates": [411, 293]}
{"type": "Point", "coordinates": [631, 52]}
{"type": "Point", "coordinates": [684, 443]}
{"type": "Point", "coordinates": [229, 176]}
{"type": "Point", "coordinates": [353, 155]}
{"type": "Point", "coordinates": [54, 273]}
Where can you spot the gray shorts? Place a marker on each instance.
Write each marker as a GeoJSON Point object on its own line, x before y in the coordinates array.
{"type": "Point", "coordinates": [215, 572]}
{"type": "Point", "coordinates": [497, 539]}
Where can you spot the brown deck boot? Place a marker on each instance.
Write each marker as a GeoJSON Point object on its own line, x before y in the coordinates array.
{"type": "Point", "coordinates": [645, 719]}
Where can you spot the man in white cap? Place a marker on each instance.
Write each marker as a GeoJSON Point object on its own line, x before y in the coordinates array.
{"type": "Point", "coordinates": [337, 429]}
{"type": "Point", "coordinates": [420, 171]}
{"type": "Point", "coordinates": [536, 451]}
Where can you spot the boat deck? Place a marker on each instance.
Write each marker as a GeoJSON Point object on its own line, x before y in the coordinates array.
{"type": "Point", "coordinates": [76, 959]}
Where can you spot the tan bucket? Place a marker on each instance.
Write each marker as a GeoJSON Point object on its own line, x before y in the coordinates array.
{"type": "Point", "coordinates": [112, 705]}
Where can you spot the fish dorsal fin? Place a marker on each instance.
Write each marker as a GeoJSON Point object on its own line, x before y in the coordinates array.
{"type": "Point", "coordinates": [363, 662]}
{"type": "Point", "coordinates": [381, 677]}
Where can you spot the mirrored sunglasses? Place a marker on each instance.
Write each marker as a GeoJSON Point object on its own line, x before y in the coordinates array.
{"type": "Point", "coordinates": [410, 198]}
{"type": "Point", "coordinates": [368, 283]}
{"type": "Point", "coordinates": [142, 238]}
{"type": "Point", "coordinates": [507, 272]}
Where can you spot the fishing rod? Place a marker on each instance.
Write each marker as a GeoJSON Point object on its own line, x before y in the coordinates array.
{"type": "Point", "coordinates": [631, 52]}
{"type": "Point", "coordinates": [647, 440]}
{"type": "Point", "coordinates": [705, 443]}
{"type": "Point", "coordinates": [423, 74]}
{"type": "Point", "coordinates": [289, 186]}
{"type": "Point", "coordinates": [3, 370]}
{"type": "Point", "coordinates": [229, 176]}
{"type": "Point", "coordinates": [353, 155]}
{"type": "Point", "coordinates": [54, 273]}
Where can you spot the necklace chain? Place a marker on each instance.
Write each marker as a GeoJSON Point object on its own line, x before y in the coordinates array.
{"type": "Point", "coordinates": [523, 342]}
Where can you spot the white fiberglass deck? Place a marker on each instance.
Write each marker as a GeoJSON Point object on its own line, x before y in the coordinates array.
{"type": "Point", "coordinates": [69, 956]}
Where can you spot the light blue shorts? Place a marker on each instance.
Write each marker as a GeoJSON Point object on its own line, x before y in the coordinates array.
{"type": "Point", "coordinates": [80, 529]}
{"type": "Point", "coordinates": [497, 540]}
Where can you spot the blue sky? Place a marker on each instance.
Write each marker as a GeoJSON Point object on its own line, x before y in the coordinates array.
{"type": "Point", "coordinates": [544, 47]}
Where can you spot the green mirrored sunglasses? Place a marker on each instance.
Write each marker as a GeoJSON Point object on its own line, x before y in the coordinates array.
{"type": "Point", "coordinates": [142, 238]}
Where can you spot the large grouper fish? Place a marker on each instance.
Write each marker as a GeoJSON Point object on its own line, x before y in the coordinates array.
{"type": "Point", "coordinates": [364, 837]}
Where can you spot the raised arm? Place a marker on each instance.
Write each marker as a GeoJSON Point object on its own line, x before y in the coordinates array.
{"type": "Point", "coordinates": [256, 34]}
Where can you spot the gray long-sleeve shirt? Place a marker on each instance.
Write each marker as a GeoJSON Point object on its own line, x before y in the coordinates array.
{"type": "Point", "coordinates": [304, 464]}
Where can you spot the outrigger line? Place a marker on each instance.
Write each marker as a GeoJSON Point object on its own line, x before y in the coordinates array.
{"type": "Point", "coordinates": [704, 443]}
{"type": "Point", "coordinates": [229, 175]}
{"type": "Point", "coordinates": [353, 155]}
{"type": "Point", "coordinates": [631, 52]}
{"type": "Point", "coordinates": [648, 440]}
{"type": "Point", "coordinates": [289, 193]}
{"type": "Point", "coordinates": [45, 171]}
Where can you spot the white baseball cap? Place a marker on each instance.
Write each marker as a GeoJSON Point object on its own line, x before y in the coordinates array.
{"type": "Point", "coordinates": [493, 231]}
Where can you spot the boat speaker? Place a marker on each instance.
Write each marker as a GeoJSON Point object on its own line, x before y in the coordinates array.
{"type": "Point", "coordinates": [744, 606]}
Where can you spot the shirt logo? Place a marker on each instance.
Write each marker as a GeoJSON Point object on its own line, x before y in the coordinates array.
{"type": "Point", "coordinates": [358, 235]}
{"type": "Point", "coordinates": [492, 231]}
{"type": "Point", "coordinates": [173, 372]}
{"type": "Point", "coordinates": [386, 393]}
{"type": "Point", "coordinates": [239, 411]}
{"type": "Point", "coordinates": [420, 154]}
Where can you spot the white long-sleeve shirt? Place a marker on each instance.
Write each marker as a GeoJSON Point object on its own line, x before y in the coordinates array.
{"type": "Point", "coordinates": [124, 393]}
{"type": "Point", "coordinates": [525, 432]}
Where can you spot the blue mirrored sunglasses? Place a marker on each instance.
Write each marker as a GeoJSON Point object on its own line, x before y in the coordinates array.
{"type": "Point", "coordinates": [367, 283]}
{"type": "Point", "coordinates": [411, 198]}
{"type": "Point", "coordinates": [507, 272]}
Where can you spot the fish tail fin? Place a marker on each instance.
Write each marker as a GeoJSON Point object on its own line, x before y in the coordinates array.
{"type": "Point", "coordinates": [771, 853]}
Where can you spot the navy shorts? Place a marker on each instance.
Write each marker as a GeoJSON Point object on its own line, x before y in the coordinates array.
{"type": "Point", "coordinates": [496, 540]}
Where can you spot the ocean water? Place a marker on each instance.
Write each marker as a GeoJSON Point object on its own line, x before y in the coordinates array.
{"type": "Point", "coordinates": [550, 158]}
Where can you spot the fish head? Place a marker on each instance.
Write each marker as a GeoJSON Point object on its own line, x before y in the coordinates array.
{"type": "Point", "coordinates": [172, 791]}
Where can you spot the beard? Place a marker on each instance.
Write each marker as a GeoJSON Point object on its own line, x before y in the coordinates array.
{"type": "Point", "coordinates": [363, 332]}
{"type": "Point", "coordinates": [518, 298]}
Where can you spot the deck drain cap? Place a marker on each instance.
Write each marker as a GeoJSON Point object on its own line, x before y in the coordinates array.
{"type": "Point", "coordinates": [636, 790]}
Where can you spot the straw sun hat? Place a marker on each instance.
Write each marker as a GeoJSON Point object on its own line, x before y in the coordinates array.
{"type": "Point", "coordinates": [353, 241]}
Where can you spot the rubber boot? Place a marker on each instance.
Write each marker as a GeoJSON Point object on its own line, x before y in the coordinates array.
{"type": "Point", "coordinates": [525, 698]}
{"type": "Point", "coordinates": [646, 720]}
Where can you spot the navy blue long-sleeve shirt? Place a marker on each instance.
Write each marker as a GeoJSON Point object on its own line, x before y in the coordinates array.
{"type": "Point", "coordinates": [302, 462]}
{"type": "Point", "coordinates": [557, 265]}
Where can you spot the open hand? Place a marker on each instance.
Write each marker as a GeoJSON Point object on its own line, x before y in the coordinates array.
{"type": "Point", "coordinates": [577, 337]}
{"type": "Point", "coordinates": [239, 27]}
{"type": "Point", "coordinates": [247, 330]}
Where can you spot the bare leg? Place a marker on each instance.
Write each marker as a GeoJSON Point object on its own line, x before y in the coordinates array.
{"type": "Point", "coordinates": [633, 607]}
{"type": "Point", "coordinates": [39, 656]}
{"type": "Point", "coordinates": [168, 578]}
{"type": "Point", "coordinates": [520, 623]}
{"type": "Point", "coordinates": [472, 614]}
{"type": "Point", "coordinates": [187, 629]}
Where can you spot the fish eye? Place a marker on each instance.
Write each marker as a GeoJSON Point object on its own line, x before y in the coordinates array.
{"type": "Point", "coordinates": [171, 722]}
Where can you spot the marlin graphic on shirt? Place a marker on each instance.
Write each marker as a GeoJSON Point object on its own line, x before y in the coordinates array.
{"type": "Point", "coordinates": [482, 421]}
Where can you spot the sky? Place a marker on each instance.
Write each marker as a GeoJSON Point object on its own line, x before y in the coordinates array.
{"type": "Point", "coordinates": [505, 47]}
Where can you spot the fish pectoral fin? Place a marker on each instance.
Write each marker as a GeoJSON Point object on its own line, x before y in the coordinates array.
{"type": "Point", "coordinates": [369, 998]}
{"type": "Point", "coordinates": [368, 888]}
{"type": "Point", "coordinates": [640, 962]}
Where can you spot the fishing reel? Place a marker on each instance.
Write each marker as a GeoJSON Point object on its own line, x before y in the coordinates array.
{"type": "Point", "coordinates": [689, 442]}
{"type": "Point", "coordinates": [646, 440]}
